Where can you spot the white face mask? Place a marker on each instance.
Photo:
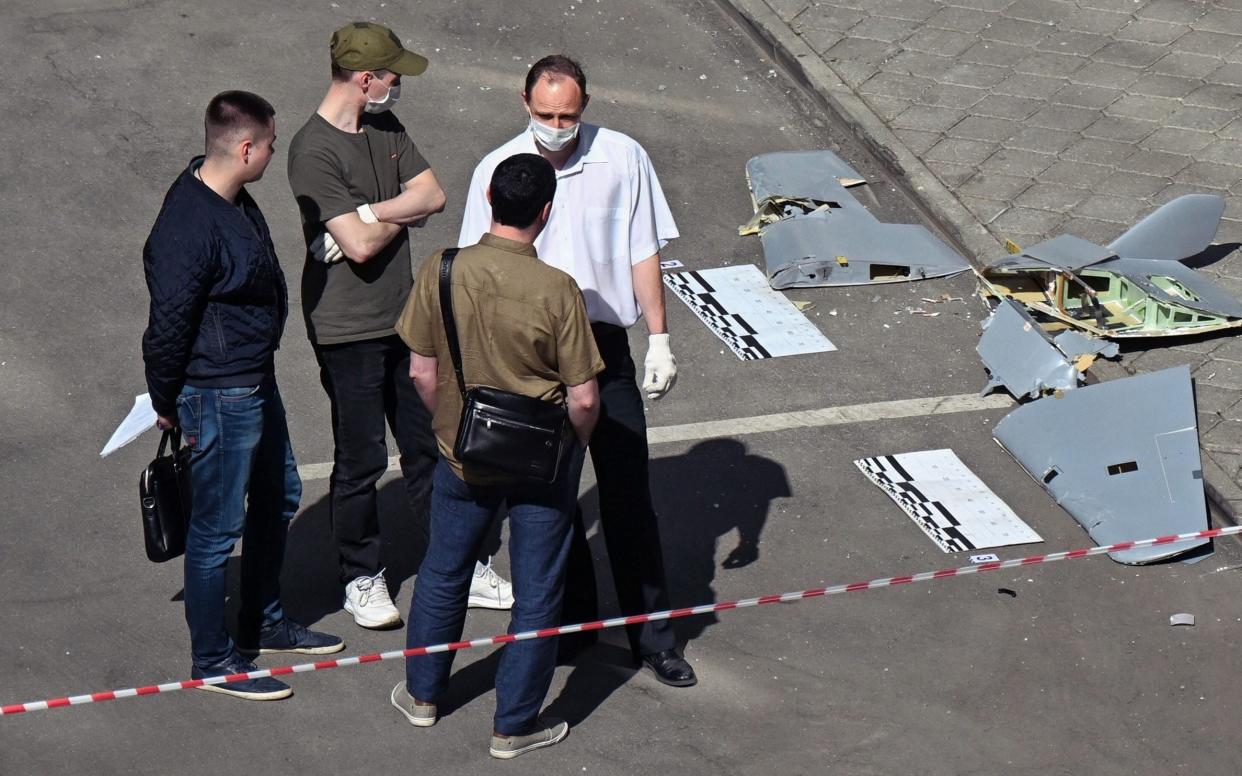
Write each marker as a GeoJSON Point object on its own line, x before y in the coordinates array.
{"type": "Point", "coordinates": [551, 138]}
{"type": "Point", "coordinates": [390, 99]}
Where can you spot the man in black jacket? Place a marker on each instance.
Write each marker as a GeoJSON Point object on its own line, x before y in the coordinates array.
{"type": "Point", "coordinates": [218, 307]}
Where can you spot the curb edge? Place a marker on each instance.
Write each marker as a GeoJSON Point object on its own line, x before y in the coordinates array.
{"type": "Point", "coordinates": [907, 171]}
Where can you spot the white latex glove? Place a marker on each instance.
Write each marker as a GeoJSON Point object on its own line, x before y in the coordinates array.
{"type": "Point", "coordinates": [367, 214]}
{"type": "Point", "coordinates": [660, 365]}
{"type": "Point", "coordinates": [324, 248]}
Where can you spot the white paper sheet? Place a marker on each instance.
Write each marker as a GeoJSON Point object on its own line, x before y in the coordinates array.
{"type": "Point", "coordinates": [947, 500]}
{"type": "Point", "coordinates": [739, 306]}
{"type": "Point", "coordinates": [140, 418]}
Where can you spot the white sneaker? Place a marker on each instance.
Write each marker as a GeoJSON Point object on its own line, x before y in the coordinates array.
{"type": "Point", "coordinates": [489, 590]}
{"type": "Point", "coordinates": [367, 599]}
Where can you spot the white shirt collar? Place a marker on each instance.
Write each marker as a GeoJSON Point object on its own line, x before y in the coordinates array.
{"type": "Point", "coordinates": [592, 154]}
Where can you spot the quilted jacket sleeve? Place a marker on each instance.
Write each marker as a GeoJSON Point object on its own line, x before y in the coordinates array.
{"type": "Point", "coordinates": [181, 264]}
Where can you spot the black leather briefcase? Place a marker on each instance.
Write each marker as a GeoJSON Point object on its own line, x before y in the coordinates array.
{"type": "Point", "coordinates": [164, 493]}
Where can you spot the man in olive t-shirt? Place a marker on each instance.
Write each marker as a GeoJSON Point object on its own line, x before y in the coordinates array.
{"type": "Point", "coordinates": [360, 182]}
{"type": "Point", "coordinates": [332, 171]}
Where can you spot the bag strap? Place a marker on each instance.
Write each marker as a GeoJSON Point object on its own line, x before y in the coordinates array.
{"type": "Point", "coordinates": [175, 435]}
{"type": "Point", "coordinates": [446, 312]}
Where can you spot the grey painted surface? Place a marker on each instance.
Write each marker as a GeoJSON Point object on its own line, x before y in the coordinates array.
{"type": "Point", "coordinates": [1122, 457]}
{"type": "Point", "coordinates": [800, 174]}
{"type": "Point", "coordinates": [845, 245]}
{"type": "Point", "coordinates": [1021, 357]}
{"type": "Point", "coordinates": [1179, 229]}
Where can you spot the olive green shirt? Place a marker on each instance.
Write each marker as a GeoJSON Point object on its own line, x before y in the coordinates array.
{"type": "Point", "coordinates": [521, 326]}
{"type": "Point", "coordinates": [331, 173]}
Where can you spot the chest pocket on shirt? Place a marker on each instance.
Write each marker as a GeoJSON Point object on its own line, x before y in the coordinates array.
{"type": "Point", "coordinates": [604, 234]}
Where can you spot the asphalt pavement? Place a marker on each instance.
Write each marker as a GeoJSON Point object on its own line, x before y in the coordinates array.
{"type": "Point", "coordinates": [1063, 669]}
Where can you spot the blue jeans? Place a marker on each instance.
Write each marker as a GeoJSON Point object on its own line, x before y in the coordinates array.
{"type": "Point", "coordinates": [539, 523]}
{"type": "Point", "coordinates": [245, 481]}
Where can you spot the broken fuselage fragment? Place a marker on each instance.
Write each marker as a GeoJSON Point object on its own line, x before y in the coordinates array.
{"type": "Point", "coordinates": [1134, 287]}
{"type": "Point", "coordinates": [816, 233]}
{"type": "Point", "coordinates": [1027, 361]}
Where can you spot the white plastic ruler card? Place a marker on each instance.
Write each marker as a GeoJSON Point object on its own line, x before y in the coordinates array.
{"type": "Point", "coordinates": [739, 306]}
{"type": "Point", "coordinates": [947, 500]}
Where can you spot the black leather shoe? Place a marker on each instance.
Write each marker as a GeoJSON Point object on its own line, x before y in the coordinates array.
{"type": "Point", "coordinates": [671, 668]}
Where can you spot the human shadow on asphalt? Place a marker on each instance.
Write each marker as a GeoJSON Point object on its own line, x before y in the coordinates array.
{"type": "Point", "coordinates": [310, 582]}
{"type": "Point", "coordinates": [715, 491]}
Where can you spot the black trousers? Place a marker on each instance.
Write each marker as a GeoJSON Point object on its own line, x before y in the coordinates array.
{"type": "Point", "coordinates": [627, 517]}
{"type": "Point", "coordinates": [368, 384]}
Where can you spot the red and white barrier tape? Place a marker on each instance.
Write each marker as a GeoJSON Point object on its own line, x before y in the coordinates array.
{"type": "Point", "coordinates": [926, 576]}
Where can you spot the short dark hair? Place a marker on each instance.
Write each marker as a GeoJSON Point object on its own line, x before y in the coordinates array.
{"type": "Point", "coordinates": [232, 113]}
{"type": "Point", "coordinates": [555, 67]}
{"type": "Point", "coordinates": [521, 186]}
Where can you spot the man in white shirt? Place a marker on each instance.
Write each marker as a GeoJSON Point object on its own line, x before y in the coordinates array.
{"type": "Point", "coordinates": [609, 221]}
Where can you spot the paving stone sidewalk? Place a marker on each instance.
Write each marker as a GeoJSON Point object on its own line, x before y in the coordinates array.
{"type": "Point", "coordinates": [1044, 117]}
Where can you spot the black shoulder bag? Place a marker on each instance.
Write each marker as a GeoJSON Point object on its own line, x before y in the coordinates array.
{"type": "Point", "coordinates": [499, 429]}
{"type": "Point", "coordinates": [164, 496]}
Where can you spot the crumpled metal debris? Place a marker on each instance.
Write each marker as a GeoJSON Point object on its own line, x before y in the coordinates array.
{"type": "Point", "coordinates": [1025, 360]}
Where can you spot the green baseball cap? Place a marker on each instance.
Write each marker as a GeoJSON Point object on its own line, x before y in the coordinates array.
{"type": "Point", "coordinates": [366, 46]}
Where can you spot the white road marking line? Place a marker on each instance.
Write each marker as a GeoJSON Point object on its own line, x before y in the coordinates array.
{"type": "Point", "coordinates": [781, 421]}
{"type": "Point", "coordinates": [829, 416]}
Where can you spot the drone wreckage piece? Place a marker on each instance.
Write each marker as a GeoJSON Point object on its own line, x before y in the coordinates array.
{"type": "Point", "coordinates": [816, 233]}
{"type": "Point", "coordinates": [1134, 287]}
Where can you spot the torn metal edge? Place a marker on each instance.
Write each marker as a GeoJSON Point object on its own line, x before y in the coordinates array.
{"type": "Point", "coordinates": [1025, 360]}
{"type": "Point", "coordinates": [1021, 357]}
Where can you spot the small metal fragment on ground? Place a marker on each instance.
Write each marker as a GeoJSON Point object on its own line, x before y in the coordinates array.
{"type": "Point", "coordinates": [1182, 619]}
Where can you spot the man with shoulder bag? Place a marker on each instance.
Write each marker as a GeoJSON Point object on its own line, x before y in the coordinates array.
{"type": "Point", "coordinates": [218, 308]}
{"type": "Point", "coordinates": [503, 356]}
